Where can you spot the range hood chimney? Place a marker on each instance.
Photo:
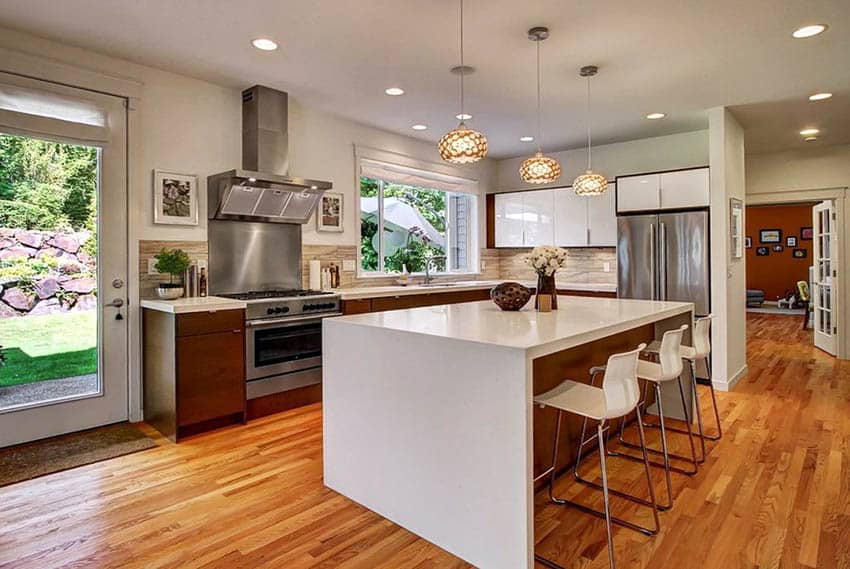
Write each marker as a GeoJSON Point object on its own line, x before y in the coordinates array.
{"type": "Point", "coordinates": [262, 189]}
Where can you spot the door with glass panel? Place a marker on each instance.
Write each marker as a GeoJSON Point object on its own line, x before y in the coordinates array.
{"type": "Point", "coordinates": [63, 259]}
{"type": "Point", "coordinates": [824, 276]}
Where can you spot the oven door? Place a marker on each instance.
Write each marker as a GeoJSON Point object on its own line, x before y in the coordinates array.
{"type": "Point", "coordinates": [283, 345]}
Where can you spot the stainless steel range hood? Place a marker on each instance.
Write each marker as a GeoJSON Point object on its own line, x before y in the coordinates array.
{"type": "Point", "coordinates": [263, 190]}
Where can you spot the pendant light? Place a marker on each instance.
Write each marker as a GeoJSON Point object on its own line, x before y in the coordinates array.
{"type": "Point", "coordinates": [539, 169]}
{"type": "Point", "coordinates": [462, 145]}
{"type": "Point", "coordinates": [590, 183]}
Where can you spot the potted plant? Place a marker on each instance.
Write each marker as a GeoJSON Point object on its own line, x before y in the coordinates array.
{"type": "Point", "coordinates": [546, 260]}
{"type": "Point", "coordinates": [174, 262]}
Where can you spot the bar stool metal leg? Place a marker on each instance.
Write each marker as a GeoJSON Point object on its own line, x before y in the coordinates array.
{"type": "Point", "coordinates": [719, 434]}
{"type": "Point", "coordinates": [605, 498]}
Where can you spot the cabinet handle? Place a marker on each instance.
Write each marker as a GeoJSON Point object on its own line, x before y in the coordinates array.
{"type": "Point", "coordinates": [236, 331]}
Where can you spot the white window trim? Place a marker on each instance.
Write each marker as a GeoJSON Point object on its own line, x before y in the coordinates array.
{"type": "Point", "coordinates": [362, 153]}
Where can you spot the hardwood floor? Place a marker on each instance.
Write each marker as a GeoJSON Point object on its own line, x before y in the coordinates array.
{"type": "Point", "coordinates": [775, 492]}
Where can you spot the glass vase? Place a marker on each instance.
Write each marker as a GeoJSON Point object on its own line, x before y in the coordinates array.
{"type": "Point", "coordinates": [546, 286]}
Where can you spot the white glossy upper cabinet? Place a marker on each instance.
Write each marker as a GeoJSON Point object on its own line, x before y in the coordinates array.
{"type": "Point", "coordinates": [602, 219]}
{"type": "Point", "coordinates": [686, 188]}
{"type": "Point", "coordinates": [638, 193]}
{"type": "Point", "coordinates": [570, 218]}
{"type": "Point", "coordinates": [509, 220]}
{"type": "Point", "coordinates": [538, 217]}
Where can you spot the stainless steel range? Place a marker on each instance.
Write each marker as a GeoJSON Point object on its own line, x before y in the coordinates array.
{"type": "Point", "coordinates": [284, 338]}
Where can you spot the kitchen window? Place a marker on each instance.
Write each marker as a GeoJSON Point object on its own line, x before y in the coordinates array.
{"type": "Point", "coordinates": [409, 218]}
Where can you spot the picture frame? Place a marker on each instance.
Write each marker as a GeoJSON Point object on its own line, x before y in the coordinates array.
{"type": "Point", "coordinates": [329, 214]}
{"type": "Point", "coordinates": [770, 236]}
{"type": "Point", "coordinates": [800, 253]}
{"type": "Point", "coordinates": [175, 198]}
{"type": "Point", "coordinates": [807, 233]}
{"type": "Point", "coordinates": [778, 248]}
{"type": "Point", "coordinates": [736, 227]}
{"type": "Point", "coordinates": [748, 242]}
{"type": "Point", "coordinates": [791, 241]}
{"type": "Point", "coordinates": [762, 251]}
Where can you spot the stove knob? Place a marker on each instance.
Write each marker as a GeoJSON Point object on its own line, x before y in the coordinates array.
{"type": "Point", "coordinates": [270, 311]}
{"type": "Point", "coordinates": [284, 309]}
{"type": "Point", "coordinates": [309, 307]}
{"type": "Point", "coordinates": [278, 310]}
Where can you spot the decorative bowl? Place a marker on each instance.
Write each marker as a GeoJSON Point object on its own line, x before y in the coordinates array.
{"type": "Point", "coordinates": [510, 295]}
{"type": "Point", "coordinates": [169, 292]}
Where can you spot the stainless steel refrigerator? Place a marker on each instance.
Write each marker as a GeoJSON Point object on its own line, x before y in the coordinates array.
{"type": "Point", "coordinates": [665, 256]}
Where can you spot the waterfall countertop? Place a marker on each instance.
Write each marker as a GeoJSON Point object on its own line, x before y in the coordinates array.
{"type": "Point", "coordinates": [355, 293]}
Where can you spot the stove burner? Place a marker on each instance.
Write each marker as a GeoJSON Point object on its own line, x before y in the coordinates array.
{"type": "Point", "coordinates": [273, 294]}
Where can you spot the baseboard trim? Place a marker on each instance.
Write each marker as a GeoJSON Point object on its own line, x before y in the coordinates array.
{"type": "Point", "coordinates": [733, 381]}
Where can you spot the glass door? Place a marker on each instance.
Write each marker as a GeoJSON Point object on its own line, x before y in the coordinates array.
{"type": "Point", "coordinates": [63, 260]}
{"type": "Point", "coordinates": [824, 275]}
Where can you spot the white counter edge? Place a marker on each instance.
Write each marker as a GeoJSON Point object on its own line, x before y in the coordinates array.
{"type": "Point", "coordinates": [187, 305]}
{"type": "Point", "coordinates": [359, 293]}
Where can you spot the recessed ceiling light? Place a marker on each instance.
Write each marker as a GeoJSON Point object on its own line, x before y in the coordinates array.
{"type": "Point", "coordinates": [463, 117]}
{"type": "Point", "coordinates": [820, 96]}
{"type": "Point", "coordinates": [654, 116]}
{"type": "Point", "coordinates": [419, 127]}
{"type": "Point", "coordinates": [526, 139]}
{"type": "Point", "coordinates": [394, 91]}
{"type": "Point", "coordinates": [809, 31]}
{"type": "Point", "coordinates": [809, 132]}
{"type": "Point", "coordinates": [810, 138]}
{"type": "Point", "coordinates": [264, 44]}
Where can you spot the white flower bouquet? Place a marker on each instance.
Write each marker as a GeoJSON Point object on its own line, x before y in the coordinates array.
{"type": "Point", "coordinates": [546, 259]}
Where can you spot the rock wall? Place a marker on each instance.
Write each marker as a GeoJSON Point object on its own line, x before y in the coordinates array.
{"type": "Point", "coordinates": [64, 281]}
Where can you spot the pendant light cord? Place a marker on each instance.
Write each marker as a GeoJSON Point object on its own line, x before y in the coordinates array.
{"type": "Point", "coordinates": [587, 112]}
{"type": "Point", "coordinates": [461, 60]}
{"type": "Point", "coordinates": [539, 127]}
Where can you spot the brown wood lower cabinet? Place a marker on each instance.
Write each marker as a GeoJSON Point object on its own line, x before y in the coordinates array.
{"type": "Point", "coordinates": [400, 301]}
{"type": "Point", "coordinates": [194, 370]}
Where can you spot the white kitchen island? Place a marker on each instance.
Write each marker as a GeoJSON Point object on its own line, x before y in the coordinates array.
{"type": "Point", "coordinates": [428, 415]}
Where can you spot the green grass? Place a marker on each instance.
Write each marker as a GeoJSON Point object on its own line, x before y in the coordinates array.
{"type": "Point", "coordinates": [48, 347]}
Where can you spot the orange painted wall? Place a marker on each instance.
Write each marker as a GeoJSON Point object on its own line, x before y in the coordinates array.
{"type": "Point", "coordinates": [779, 271]}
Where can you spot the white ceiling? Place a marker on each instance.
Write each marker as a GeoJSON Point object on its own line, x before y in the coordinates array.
{"type": "Point", "coordinates": [674, 56]}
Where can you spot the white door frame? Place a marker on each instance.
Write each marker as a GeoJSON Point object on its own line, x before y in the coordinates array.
{"type": "Point", "coordinates": [824, 217]}
{"type": "Point", "coordinates": [110, 403]}
{"type": "Point", "coordinates": [842, 211]}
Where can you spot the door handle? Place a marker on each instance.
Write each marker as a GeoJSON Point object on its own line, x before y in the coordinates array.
{"type": "Point", "coordinates": [116, 303]}
{"type": "Point", "coordinates": [652, 247]}
{"type": "Point", "coordinates": [663, 260]}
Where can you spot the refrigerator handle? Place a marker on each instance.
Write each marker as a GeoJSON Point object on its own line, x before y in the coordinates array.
{"type": "Point", "coordinates": [652, 255]}
{"type": "Point", "coordinates": [663, 260]}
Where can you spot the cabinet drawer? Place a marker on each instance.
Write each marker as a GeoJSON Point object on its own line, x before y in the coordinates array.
{"type": "Point", "coordinates": [358, 306]}
{"type": "Point", "coordinates": [210, 376]}
{"type": "Point", "coordinates": [197, 323]}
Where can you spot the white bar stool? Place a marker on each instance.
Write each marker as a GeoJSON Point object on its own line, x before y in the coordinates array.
{"type": "Point", "coordinates": [617, 398]}
{"type": "Point", "coordinates": [670, 368]}
{"type": "Point", "coordinates": [701, 350]}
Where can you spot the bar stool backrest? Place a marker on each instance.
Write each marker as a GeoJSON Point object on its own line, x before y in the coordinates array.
{"type": "Point", "coordinates": [620, 384]}
{"type": "Point", "coordinates": [671, 359]}
{"type": "Point", "coordinates": [702, 336]}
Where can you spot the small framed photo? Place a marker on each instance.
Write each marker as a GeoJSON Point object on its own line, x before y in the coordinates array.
{"type": "Point", "coordinates": [329, 215]}
{"type": "Point", "coordinates": [748, 242]}
{"type": "Point", "coordinates": [770, 236]}
{"type": "Point", "coordinates": [800, 253]}
{"type": "Point", "coordinates": [762, 251]}
{"type": "Point", "coordinates": [806, 233]}
{"type": "Point", "coordinates": [175, 198]}
{"type": "Point", "coordinates": [778, 248]}
{"type": "Point", "coordinates": [791, 241]}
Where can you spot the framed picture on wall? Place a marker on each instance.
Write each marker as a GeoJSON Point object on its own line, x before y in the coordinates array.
{"type": "Point", "coordinates": [791, 241]}
{"type": "Point", "coordinates": [800, 253]}
{"type": "Point", "coordinates": [748, 242]}
{"type": "Point", "coordinates": [762, 251]}
{"type": "Point", "coordinates": [175, 198]}
{"type": "Point", "coordinates": [329, 214]}
{"type": "Point", "coordinates": [736, 227]}
{"type": "Point", "coordinates": [770, 236]}
{"type": "Point", "coordinates": [778, 248]}
{"type": "Point", "coordinates": [806, 233]}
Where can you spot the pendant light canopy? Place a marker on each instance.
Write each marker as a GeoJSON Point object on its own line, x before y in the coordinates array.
{"type": "Point", "coordinates": [539, 169]}
{"type": "Point", "coordinates": [590, 183]}
{"type": "Point", "coordinates": [462, 145]}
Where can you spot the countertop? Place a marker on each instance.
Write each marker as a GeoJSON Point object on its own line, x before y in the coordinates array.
{"type": "Point", "coordinates": [356, 293]}
{"type": "Point", "coordinates": [199, 304]}
{"type": "Point", "coordinates": [577, 321]}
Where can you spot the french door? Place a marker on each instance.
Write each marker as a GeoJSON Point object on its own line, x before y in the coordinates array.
{"type": "Point", "coordinates": [824, 276]}
{"type": "Point", "coordinates": [63, 258]}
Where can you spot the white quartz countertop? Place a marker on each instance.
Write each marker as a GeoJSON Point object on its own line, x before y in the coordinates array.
{"type": "Point", "coordinates": [577, 321]}
{"type": "Point", "coordinates": [356, 293]}
{"type": "Point", "coordinates": [199, 304]}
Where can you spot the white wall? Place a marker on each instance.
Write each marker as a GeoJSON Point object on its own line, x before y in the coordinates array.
{"type": "Point", "coordinates": [794, 170]}
{"type": "Point", "coordinates": [633, 157]}
{"type": "Point", "coordinates": [728, 275]}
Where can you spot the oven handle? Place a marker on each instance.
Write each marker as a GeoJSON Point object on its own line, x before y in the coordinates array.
{"type": "Point", "coordinates": [289, 321]}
